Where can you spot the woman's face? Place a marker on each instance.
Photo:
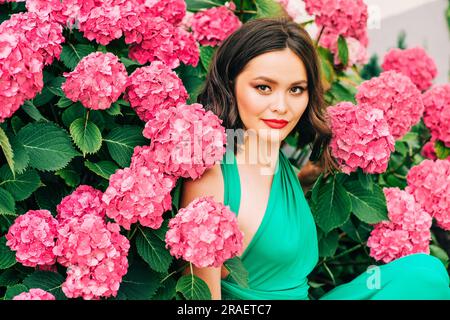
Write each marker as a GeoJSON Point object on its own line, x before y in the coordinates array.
{"type": "Point", "coordinates": [272, 85]}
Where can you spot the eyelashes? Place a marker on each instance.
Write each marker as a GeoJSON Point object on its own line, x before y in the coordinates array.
{"type": "Point", "coordinates": [258, 87]}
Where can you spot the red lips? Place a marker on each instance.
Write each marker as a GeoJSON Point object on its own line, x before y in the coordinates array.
{"type": "Point", "coordinates": [275, 124]}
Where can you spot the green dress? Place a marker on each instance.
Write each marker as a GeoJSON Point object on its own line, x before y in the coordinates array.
{"type": "Point", "coordinates": [284, 250]}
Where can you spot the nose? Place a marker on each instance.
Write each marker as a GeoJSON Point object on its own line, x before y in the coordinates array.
{"type": "Point", "coordinates": [279, 104]}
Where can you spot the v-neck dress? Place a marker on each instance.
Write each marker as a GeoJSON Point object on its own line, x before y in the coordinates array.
{"type": "Point", "coordinates": [284, 251]}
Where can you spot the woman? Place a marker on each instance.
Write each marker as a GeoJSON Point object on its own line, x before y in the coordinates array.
{"type": "Point", "coordinates": [264, 83]}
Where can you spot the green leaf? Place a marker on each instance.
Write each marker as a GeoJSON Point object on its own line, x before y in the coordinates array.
{"type": "Point", "coordinates": [342, 93]}
{"type": "Point", "coordinates": [196, 5]}
{"type": "Point", "coordinates": [359, 233]}
{"type": "Point", "coordinates": [140, 283]}
{"type": "Point", "coordinates": [103, 168]}
{"type": "Point", "coordinates": [21, 158]}
{"type": "Point", "coordinates": [442, 152]}
{"type": "Point", "coordinates": [70, 175]}
{"type": "Point", "coordinates": [21, 186]}
{"type": "Point", "coordinates": [343, 50]}
{"type": "Point", "coordinates": [167, 290]}
{"type": "Point", "coordinates": [440, 254]}
{"type": "Point", "coordinates": [206, 55]}
{"type": "Point", "coordinates": [121, 142]}
{"type": "Point", "coordinates": [7, 149]}
{"type": "Point", "coordinates": [77, 110]}
{"type": "Point", "coordinates": [48, 146]}
{"type": "Point", "coordinates": [365, 180]}
{"type": "Point", "coordinates": [333, 206]}
{"type": "Point", "coordinates": [237, 271]}
{"type": "Point", "coordinates": [328, 244]}
{"type": "Point", "coordinates": [71, 55]}
{"type": "Point", "coordinates": [9, 277]}
{"type": "Point", "coordinates": [48, 281]}
{"type": "Point", "coordinates": [54, 86]}
{"type": "Point", "coordinates": [7, 257]}
{"type": "Point", "coordinates": [7, 204]}
{"type": "Point", "coordinates": [368, 206]}
{"type": "Point", "coordinates": [15, 290]}
{"type": "Point", "coordinates": [114, 110]}
{"type": "Point", "coordinates": [176, 194]}
{"type": "Point", "coordinates": [193, 288]}
{"type": "Point", "coordinates": [128, 62]}
{"type": "Point", "coordinates": [161, 232]}
{"type": "Point", "coordinates": [16, 124]}
{"type": "Point", "coordinates": [86, 135]}
{"type": "Point", "coordinates": [64, 102]}
{"type": "Point", "coordinates": [32, 111]}
{"type": "Point", "coordinates": [153, 250]}
{"type": "Point", "coordinates": [50, 196]}
{"type": "Point", "coordinates": [268, 9]}
{"type": "Point", "coordinates": [43, 98]}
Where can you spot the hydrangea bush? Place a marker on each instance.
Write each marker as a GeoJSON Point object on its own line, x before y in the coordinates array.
{"type": "Point", "coordinates": [99, 127]}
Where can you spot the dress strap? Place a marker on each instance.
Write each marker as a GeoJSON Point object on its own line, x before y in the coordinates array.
{"type": "Point", "coordinates": [231, 181]}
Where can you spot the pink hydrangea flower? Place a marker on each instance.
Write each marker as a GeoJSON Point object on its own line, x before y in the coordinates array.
{"type": "Point", "coordinates": [437, 112]}
{"type": "Point", "coordinates": [33, 236]}
{"type": "Point", "coordinates": [173, 11]}
{"type": "Point", "coordinates": [407, 232]}
{"type": "Point", "coordinates": [35, 294]}
{"type": "Point", "coordinates": [96, 256]}
{"type": "Point", "coordinates": [397, 96]}
{"type": "Point", "coordinates": [213, 25]}
{"type": "Point", "coordinates": [429, 182]}
{"type": "Point", "coordinates": [296, 10]}
{"type": "Point", "coordinates": [414, 63]}
{"type": "Point", "coordinates": [357, 53]}
{"type": "Point", "coordinates": [205, 233]}
{"type": "Point", "coordinates": [83, 200]}
{"type": "Point", "coordinates": [187, 48]}
{"type": "Point", "coordinates": [139, 193]}
{"type": "Point", "coordinates": [343, 17]}
{"type": "Point", "coordinates": [428, 151]}
{"type": "Point", "coordinates": [153, 88]}
{"type": "Point", "coordinates": [97, 81]}
{"type": "Point", "coordinates": [361, 137]}
{"type": "Point", "coordinates": [186, 139]}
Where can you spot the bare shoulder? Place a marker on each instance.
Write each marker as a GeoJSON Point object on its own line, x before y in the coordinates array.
{"type": "Point", "coordinates": [209, 184]}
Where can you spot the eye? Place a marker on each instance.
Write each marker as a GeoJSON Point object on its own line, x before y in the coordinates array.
{"type": "Point", "coordinates": [262, 86]}
{"type": "Point", "coordinates": [299, 91]}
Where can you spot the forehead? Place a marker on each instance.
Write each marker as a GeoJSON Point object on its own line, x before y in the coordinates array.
{"type": "Point", "coordinates": [281, 64]}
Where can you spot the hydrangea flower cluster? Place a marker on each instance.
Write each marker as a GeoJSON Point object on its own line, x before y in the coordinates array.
{"type": "Point", "coordinates": [397, 96]}
{"type": "Point", "coordinates": [205, 233]}
{"type": "Point", "coordinates": [407, 232]}
{"type": "Point", "coordinates": [97, 81]}
{"type": "Point", "coordinates": [213, 25]}
{"type": "Point", "coordinates": [139, 193]}
{"type": "Point", "coordinates": [437, 112]}
{"type": "Point", "coordinates": [83, 200]}
{"type": "Point", "coordinates": [429, 182]}
{"type": "Point", "coordinates": [361, 137]}
{"type": "Point", "coordinates": [414, 63]}
{"type": "Point", "coordinates": [186, 139]}
{"type": "Point", "coordinates": [357, 53]}
{"type": "Point", "coordinates": [296, 10]}
{"type": "Point", "coordinates": [342, 17]}
{"type": "Point", "coordinates": [173, 11]}
{"type": "Point", "coordinates": [153, 88]}
{"type": "Point", "coordinates": [428, 151]}
{"type": "Point", "coordinates": [96, 256]}
{"type": "Point", "coordinates": [32, 236]}
{"type": "Point", "coordinates": [35, 294]}
{"type": "Point", "coordinates": [27, 42]}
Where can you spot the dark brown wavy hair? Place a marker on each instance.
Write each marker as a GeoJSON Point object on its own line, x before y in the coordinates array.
{"type": "Point", "coordinates": [256, 37]}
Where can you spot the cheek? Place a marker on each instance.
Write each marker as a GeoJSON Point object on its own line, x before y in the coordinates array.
{"type": "Point", "coordinates": [249, 103]}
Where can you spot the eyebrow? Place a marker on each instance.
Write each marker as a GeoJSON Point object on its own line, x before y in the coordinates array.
{"type": "Point", "coordinates": [273, 81]}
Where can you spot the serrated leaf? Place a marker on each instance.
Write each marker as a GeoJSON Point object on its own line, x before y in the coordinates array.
{"type": "Point", "coordinates": [16, 124]}
{"type": "Point", "coordinates": [48, 281]}
{"type": "Point", "coordinates": [86, 135]}
{"type": "Point", "coordinates": [22, 185]}
{"type": "Point", "coordinates": [268, 8]}
{"type": "Point", "coordinates": [15, 290]}
{"type": "Point", "coordinates": [193, 288]}
{"type": "Point", "coordinates": [343, 50]}
{"type": "Point", "coordinates": [358, 234]}
{"type": "Point", "coordinates": [237, 271]}
{"type": "Point", "coordinates": [70, 175]}
{"type": "Point", "coordinates": [140, 282]}
{"type": "Point", "coordinates": [333, 206]}
{"type": "Point", "coordinates": [121, 142]}
{"type": "Point", "coordinates": [77, 110]}
{"type": "Point", "coordinates": [206, 55]}
{"type": "Point", "coordinates": [365, 180]}
{"type": "Point", "coordinates": [7, 204]}
{"type": "Point", "coordinates": [7, 257]}
{"type": "Point", "coordinates": [328, 244]}
{"type": "Point", "coordinates": [48, 146]}
{"type": "Point", "coordinates": [153, 250]}
{"type": "Point", "coordinates": [9, 277]}
{"type": "Point", "coordinates": [7, 149]}
{"type": "Point", "coordinates": [32, 111]}
{"type": "Point", "coordinates": [103, 168]}
{"type": "Point", "coordinates": [368, 206]}
{"type": "Point", "coordinates": [21, 158]}
{"type": "Point", "coordinates": [167, 290]}
{"type": "Point", "coordinates": [71, 55]}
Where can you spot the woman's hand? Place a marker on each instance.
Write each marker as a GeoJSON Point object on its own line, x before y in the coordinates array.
{"type": "Point", "coordinates": [309, 174]}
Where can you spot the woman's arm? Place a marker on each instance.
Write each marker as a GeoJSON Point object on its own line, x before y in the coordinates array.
{"type": "Point", "coordinates": [209, 184]}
